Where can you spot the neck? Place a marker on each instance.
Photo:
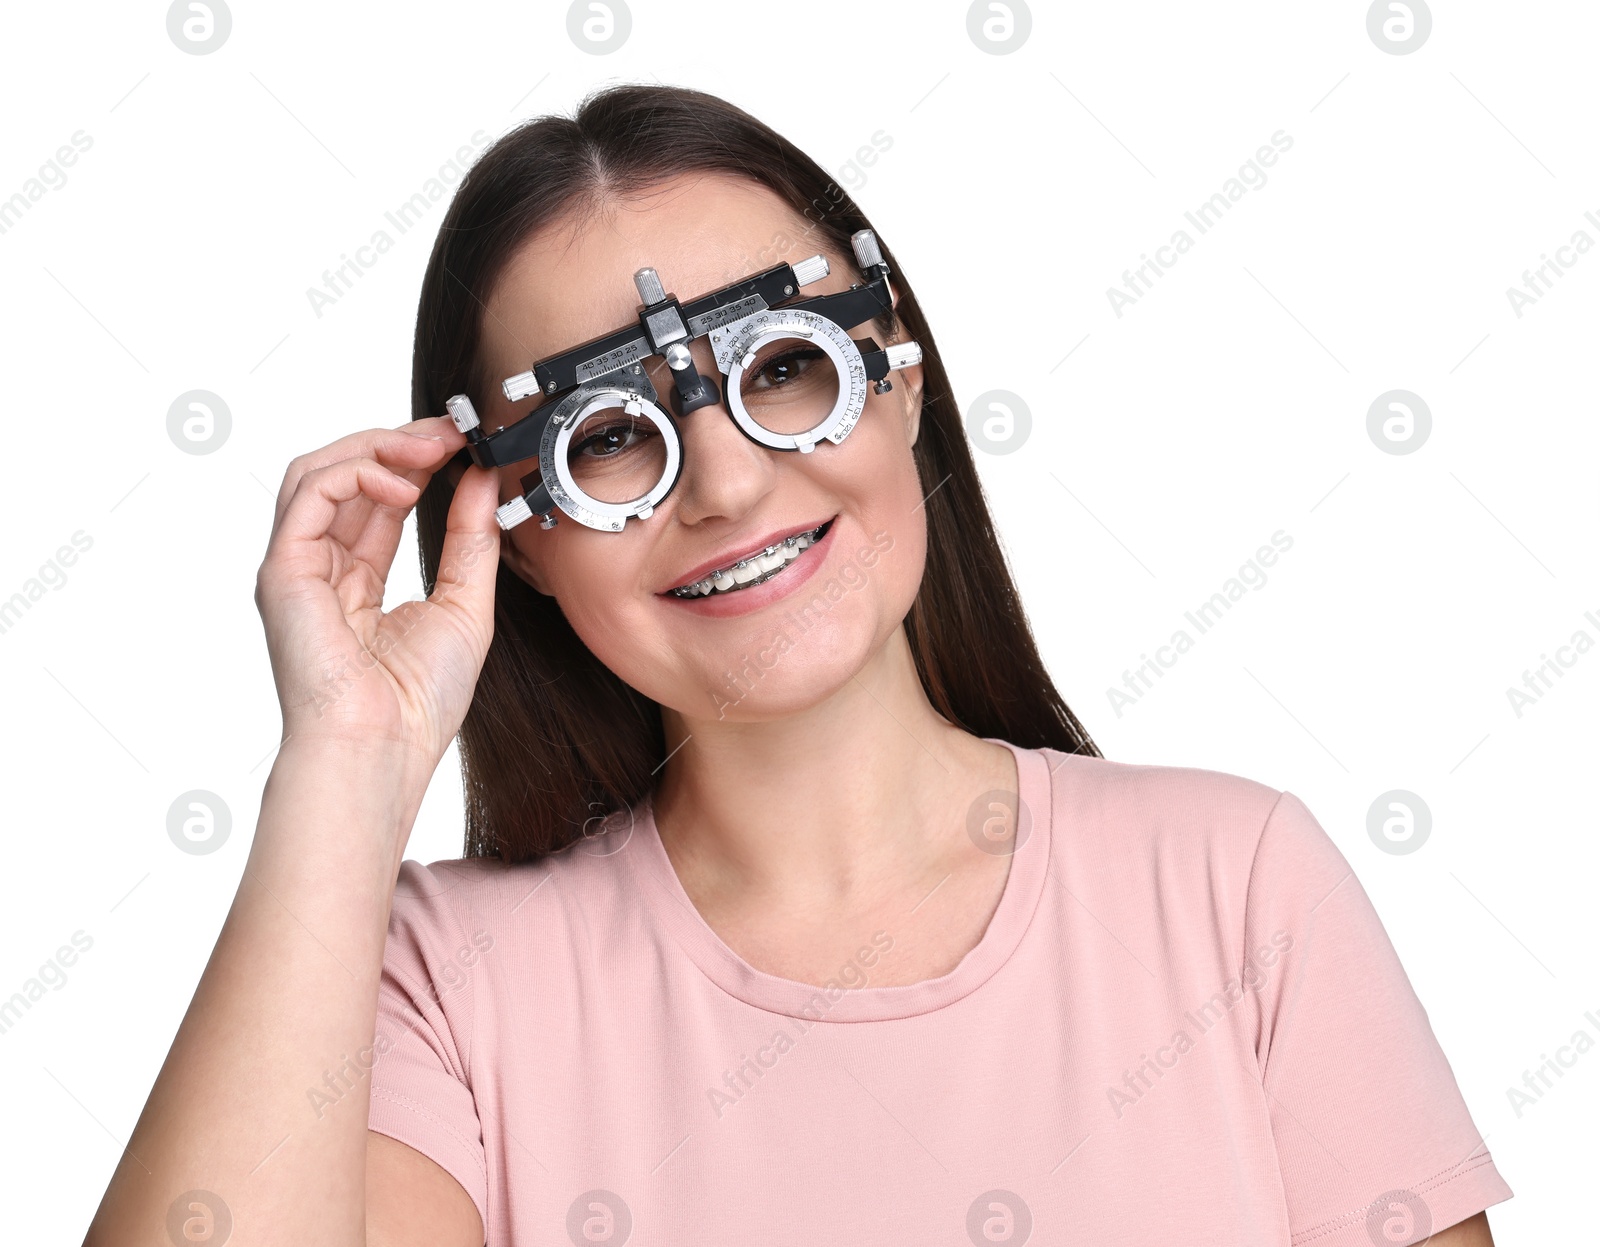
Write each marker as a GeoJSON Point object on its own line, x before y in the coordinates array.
{"type": "Point", "coordinates": [858, 794]}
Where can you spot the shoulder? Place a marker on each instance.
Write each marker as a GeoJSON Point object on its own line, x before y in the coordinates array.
{"type": "Point", "coordinates": [1216, 856]}
{"type": "Point", "coordinates": [455, 897]}
{"type": "Point", "coordinates": [1129, 810]}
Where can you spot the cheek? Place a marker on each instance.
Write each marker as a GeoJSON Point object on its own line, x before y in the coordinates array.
{"type": "Point", "coordinates": [878, 472]}
{"type": "Point", "coordinates": [626, 641]}
{"type": "Point", "coordinates": [901, 548]}
{"type": "Point", "coordinates": [880, 564]}
{"type": "Point", "coordinates": [595, 577]}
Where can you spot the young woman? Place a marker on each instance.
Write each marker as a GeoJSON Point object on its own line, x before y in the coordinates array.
{"type": "Point", "coordinates": [796, 907]}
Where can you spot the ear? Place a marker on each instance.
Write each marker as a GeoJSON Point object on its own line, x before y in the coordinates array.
{"type": "Point", "coordinates": [910, 387]}
{"type": "Point", "coordinates": [909, 382]}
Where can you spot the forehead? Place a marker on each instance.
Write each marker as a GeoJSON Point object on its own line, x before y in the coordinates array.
{"type": "Point", "coordinates": [573, 280]}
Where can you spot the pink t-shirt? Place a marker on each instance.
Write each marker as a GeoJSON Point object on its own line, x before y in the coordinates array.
{"type": "Point", "coordinates": [1183, 1024]}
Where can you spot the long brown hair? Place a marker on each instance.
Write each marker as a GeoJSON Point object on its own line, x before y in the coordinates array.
{"type": "Point", "coordinates": [554, 740]}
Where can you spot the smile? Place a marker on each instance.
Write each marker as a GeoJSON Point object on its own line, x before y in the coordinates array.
{"type": "Point", "coordinates": [754, 569]}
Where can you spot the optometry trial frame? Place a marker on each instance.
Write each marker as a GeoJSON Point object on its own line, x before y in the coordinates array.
{"type": "Point", "coordinates": [751, 338]}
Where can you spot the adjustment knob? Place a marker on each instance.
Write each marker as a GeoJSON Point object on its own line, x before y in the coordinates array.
{"type": "Point", "coordinates": [509, 515]}
{"type": "Point", "coordinates": [649, 284]}
{"type": "Point", "coordinates": [865, 244]}
{"type": "Point", "coordinates": [813, 269]}
{"type": "Point", "coordinates": [903, 354]}
{"type": "Point", "coordinates": [520, 386]}
{"type": "Point", "coordinates": [461, 412]}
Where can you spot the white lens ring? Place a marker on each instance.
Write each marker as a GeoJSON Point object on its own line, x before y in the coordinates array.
{"type": "Point", "coordinates": [565, 490]}
{"type": "Point", "coordinates": [735, 345]}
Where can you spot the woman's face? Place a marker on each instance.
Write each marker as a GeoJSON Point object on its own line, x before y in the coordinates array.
{"type": "Point", "coordinates": [757, 652]}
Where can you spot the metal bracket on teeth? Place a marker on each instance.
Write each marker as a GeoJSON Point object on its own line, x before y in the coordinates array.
{"type": "Point", "coordinates": [773, 549]}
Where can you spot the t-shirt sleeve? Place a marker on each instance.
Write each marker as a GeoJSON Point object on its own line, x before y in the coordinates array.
{"type": "Point", "coordinates": [421, 1089]}
{"type": "Point", "coordinates": [1374, 1140]}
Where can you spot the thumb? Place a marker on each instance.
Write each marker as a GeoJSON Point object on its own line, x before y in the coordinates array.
{"type": "Point", "coordinates": [470, 557]}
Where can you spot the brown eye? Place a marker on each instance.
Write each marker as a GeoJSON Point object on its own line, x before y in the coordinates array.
{"type": "Point", "coordinates": [785, 366]}
{"type": "Point", "coordinates": [612, 439]}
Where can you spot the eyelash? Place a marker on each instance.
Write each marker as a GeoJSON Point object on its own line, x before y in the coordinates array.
{"type": "Point", "coordinates": [760, 370]}
{"type": "Point", "coordinates": [604, 430]}
{"type": "Point", "coordinates": [785, 357]}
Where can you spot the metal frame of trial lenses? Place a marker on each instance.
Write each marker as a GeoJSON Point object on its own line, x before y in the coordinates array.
{"type": "Point", "coordinates": [571, 411]}
{"type": "Point", "coordinates": [734, 347]}
{"type": "Point", "coordinates": [736, 329]}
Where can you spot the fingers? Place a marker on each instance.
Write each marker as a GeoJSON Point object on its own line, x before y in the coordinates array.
{"type": "Point", "coordinates": [357, 503]}
{"type": "Point", "coordinates": [470, 556]}
{"type": "Point", "coordinates": [416, 450]}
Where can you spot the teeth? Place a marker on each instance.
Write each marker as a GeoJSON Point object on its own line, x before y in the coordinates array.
{"type": "Point", "coordinates": [758, 567]}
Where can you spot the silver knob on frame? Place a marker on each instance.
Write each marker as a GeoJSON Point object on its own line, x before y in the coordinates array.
{"type": "Point", "coordinates": [865, 244]}
{"type": "Point", "coordinates": [508, 515]}
{"type": "Point", "coordinates": [462, 414]}
{"type": "Point", "coordinates": [520, 386]}
{"type": "Point", "coordinates": [649, 285]}
{"type": "Point", "coordinates": [812, 269]}
{"type": "Point", "coordinates": [903, 354]}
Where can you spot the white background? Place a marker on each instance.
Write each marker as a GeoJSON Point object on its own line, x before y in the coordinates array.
{"type": "Point", "coordinates": [1167, 445]}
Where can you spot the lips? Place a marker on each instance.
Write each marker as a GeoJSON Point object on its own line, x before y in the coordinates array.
{"type": "Point", "coordinates": [766, 548]}
{"type": "Point", "coordinates": [757, 569]}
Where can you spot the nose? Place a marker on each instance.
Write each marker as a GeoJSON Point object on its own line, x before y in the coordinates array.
{"type": "Point", "coordinates": [725, 474]}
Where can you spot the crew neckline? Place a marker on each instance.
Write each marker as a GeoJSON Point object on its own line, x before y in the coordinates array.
{"type": "Point", "coordinates": [671, 905]}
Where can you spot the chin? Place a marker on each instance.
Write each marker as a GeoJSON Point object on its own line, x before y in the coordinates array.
{"type": "Point", "coordinates": [768, 699]}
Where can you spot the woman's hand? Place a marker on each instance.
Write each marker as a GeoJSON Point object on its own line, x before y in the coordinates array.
{"type": "Point", "coordinates": [344, 670]}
